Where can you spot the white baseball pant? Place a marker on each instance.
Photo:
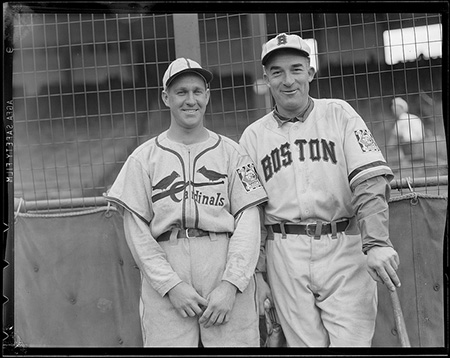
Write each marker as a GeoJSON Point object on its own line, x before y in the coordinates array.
{"type": "Point", "coordinates": [200, 262]}
{"type": "Point", "coordinates": [322, 291]}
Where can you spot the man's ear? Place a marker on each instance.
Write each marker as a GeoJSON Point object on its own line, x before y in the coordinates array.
{"type": "Point", "coordinates": [311, 73]}
{"type": "Point", "coordinates": [165, 98]}
{"type": "Point", "coordinates": [266, 79]}
{"type": "Point", "coordinates": [208, 95]}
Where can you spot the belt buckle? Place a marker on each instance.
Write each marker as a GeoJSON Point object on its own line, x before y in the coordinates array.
{"type": "Point", "coordinates": [307, 230]}
{"type": "Point", "coordinates": [187, 233]}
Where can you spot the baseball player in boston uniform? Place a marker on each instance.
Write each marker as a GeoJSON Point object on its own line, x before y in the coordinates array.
{"type": "Point", "coordinates": [327, 213]}
{"type": "Point", "coordinates": [190, 200]}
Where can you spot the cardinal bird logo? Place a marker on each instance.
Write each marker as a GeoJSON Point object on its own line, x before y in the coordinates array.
{"type": "Point", "coordinates": [211, 174]}
{"type": "Point", "coordinates": [165, 182]}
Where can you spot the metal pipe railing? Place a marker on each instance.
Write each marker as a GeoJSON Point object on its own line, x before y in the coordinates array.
{"type": "Point", "coordinates": [89, 202]}
{"type": "Point", "coordinates": [71, 203]}
{"type": "Point", "coordinates": [419, 182]}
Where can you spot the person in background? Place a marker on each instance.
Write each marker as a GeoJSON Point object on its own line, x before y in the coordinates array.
{"type": "Point", "coordinates": [408, 132]}
{"type": "Point", "coordinates": [327, 217]}
{"type": "Point", "coordinates": [189, 199]}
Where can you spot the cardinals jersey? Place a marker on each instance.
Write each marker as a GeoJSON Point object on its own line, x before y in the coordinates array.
{"type": "Point", "coordinates": [308, 168]}
{"type": "Point", "coordinates": [171, 185]}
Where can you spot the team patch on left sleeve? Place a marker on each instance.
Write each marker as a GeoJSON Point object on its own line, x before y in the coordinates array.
{"type": "Point", "coordinates": [249, 177]}
{"type": "Point", "coordinates": [366, 141]}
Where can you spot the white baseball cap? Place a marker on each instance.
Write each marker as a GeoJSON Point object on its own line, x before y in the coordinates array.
{"type": "Point", "coordinates": [284, 41]}
{"type": "Point", "coordinates": [400, 102]}
{"type": "Point", "coordinates": [183, 65]}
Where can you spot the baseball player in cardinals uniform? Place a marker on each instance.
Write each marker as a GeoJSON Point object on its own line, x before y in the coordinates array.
{"type": "Point", "coordinates": [191, 220]}
{"type": "Point", "coordinates": [327, 215]}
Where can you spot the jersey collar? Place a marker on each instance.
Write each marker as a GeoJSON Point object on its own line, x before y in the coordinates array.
{"type": "Point", "coordinates": [299, 117]}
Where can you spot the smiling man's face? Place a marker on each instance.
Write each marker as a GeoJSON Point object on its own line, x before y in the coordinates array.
{"type": "Point", "coordinates": [187, 98]}
{"type": "Point", "coordinates": [288, 76]}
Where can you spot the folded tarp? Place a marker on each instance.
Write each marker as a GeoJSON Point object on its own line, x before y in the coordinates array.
{"type": "Point", "coordinates": [76, 283]}
{"type": "Point", "coordinates": [417, 228]}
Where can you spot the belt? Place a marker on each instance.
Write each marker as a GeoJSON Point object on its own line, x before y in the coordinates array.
{"type": "Point", "coordinates": [183, 233]}
{"type": "Point", "coordinates": [315, 229]}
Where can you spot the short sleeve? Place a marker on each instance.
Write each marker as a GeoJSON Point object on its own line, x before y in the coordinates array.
{"type": "Point", "coordinates": [132, 190]}
{"type": "Point", "coordinates": [364, 158]}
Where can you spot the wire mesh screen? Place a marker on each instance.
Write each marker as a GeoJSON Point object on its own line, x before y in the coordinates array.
{"type": "Point", "coordinates": [86, 93]}
{"type": "Point", "coordinates": [86, 88]}
{"type": "Point", "coordinates": [366, 59]}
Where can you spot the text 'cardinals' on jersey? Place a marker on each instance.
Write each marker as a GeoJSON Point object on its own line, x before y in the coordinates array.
{"type": "Point", "coordinates": [204, 185]}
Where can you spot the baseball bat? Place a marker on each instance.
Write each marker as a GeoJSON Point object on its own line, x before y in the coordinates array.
{"type": "Point", "coordinates": [399, 320]}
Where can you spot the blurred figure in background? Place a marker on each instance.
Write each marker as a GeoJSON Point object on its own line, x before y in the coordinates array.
{"type": "Point", "coordinates": [408, 132]}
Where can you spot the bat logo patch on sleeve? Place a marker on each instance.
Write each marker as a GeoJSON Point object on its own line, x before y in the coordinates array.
{"type": "Point", "coordinates": [249, 177]}
{"type": "Point", "coordinates": [366, 141]}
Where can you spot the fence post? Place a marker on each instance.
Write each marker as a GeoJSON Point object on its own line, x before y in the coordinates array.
{"type": "Point", "coordinates": [259, 30]}
{"type": "Point", "coordinates": [187, 36]}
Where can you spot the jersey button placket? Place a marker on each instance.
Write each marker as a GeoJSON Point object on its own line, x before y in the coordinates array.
{"type": "Point", "coordinates": [190, 188]}
{"type": "Point", "coordinates": [297, 167]}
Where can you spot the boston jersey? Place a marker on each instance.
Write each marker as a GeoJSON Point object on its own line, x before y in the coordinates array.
{"type": "Point", "coordinates": [171, 185]}
{"type": "Point", "coordinates": [309, 168]}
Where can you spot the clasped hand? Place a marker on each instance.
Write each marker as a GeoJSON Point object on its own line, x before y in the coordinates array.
{"type": "Point", "coordinates": [214, 310]}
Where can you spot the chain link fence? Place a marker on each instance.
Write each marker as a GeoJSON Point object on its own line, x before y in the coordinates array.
{"type": "Point", "coordinates": [86, 88]}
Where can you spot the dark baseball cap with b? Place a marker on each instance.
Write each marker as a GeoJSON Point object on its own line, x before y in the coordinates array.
{"type": "Point", "coordinates": [284, 41]}
{"type": "Point", "coordinates": [183, 65]}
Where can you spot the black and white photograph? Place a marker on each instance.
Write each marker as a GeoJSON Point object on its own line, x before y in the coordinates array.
{"type": "Point", "coordinates": [225, 178]}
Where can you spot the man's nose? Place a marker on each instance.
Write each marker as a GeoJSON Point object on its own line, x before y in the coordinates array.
{"type": "Point", "coordinates": [288, 79]}
{"type": "Point", "coordinates": [190, 98]}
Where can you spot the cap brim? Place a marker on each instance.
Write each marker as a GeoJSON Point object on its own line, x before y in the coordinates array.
{"type": "Point", "coordinates": [207, 76]}
{"type": "Point", "coordinates": [268, 55]}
